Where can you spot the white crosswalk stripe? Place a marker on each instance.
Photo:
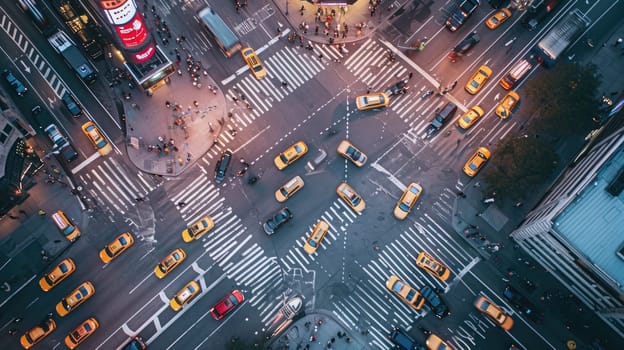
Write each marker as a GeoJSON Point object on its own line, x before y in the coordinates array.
{"type": "Point", "coordinates": [229, 243]}
{"type": "Point", "coordinates": [371, 306]}
{"type": "Point", "coordinates": [115, 186]}
{"type": "Point", "coordinates": [13, 31]}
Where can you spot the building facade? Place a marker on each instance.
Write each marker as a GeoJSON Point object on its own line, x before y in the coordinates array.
{"type": "Point", "coordinates": [576, 232]}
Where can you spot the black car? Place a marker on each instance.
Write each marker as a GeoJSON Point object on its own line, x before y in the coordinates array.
{"type": "Point", "coordinates": [438, 306]}
{"type": "Point", "coordinates": [403, 341]}
{"type": "Point", "coordinates": [222, 165]}
{"type": "Point", "coordinates": [521, 303]}
{"type": "Point", "coordinates": [459, 14]}
{"type": "Point", "coordinates": [278, 219]}
{"type": "Point", "coordinates": [442, 117]}
{"type": "Point", "coordinates": [464, 46]}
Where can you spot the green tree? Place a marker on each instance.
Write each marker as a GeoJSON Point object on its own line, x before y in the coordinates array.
{"type": "Point", "coordinates": [563, 99]}
{"type": "Point", "coordinates": [518, 165]}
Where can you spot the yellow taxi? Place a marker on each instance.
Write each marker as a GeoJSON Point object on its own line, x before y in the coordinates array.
{"type": "Point", "coordinates": [371, 101]}
{"type": "Point", "coordinates": [60, 272]}
{"type": "Point", "coordinates": [352, 198]}
{"type": "Point", "coordinates": [316, 237]}
{"type": "Point", "coordinates": [494, 312]}
{"type": "Point", "coordinates": [498, 18]}
{"type": "Point", "coordinates": [290, 155]}
{"type": "Point", "coordinates": [252, 60]}
{"type": "Point", "coordinates": [476, 162]}
{"type": "Point", "coordinates": [352, 153]}
{"type": "Point", "coordinates": [97, 139]}
{"type": "Point", "coordinates": [67, 228]}
{"type": "Point", "coordinates": [36, 334]}
{"type": "Point", "coordinates": [404, 291]}
{"type": "Point", "coordinates": [169, 263]}
{"type": "Point", "coordinates": [507, 104]}
{"type": "Point", "coordinates": [407, 201]}
{"type": "Point", "coordinates": [434, 342]}
{"type": "Point", "coordinates": [290, 188]}
{"type": "Point", "coordinates": [470, 117]}
{"type": "Point", "coordinates": [82, 332]}
{"type": "Point", "coordinates": [75, 298]}
{"type": "Point", "coordinates": [478, 80]}
{"type": "Point", "coordinates": [432, 266]}
{"type": "Point", "coordinates": [185, 295]}
{"type": "Point", "coordinates": [116, 247]}
{"type": "Point", "coordinates": [198, 229]}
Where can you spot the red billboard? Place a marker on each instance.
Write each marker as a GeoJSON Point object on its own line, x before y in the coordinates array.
{"type": "Point", "coordinates": [132, 34]}
{"type": "Point", "coordinates": [129, 25]}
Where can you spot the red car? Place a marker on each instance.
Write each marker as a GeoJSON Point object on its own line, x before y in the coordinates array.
{"type": "Point", "coordinates": [227, 304]}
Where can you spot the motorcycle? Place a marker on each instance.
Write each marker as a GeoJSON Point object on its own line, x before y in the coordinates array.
{"type": "Point", "coordinates": [426, 94]}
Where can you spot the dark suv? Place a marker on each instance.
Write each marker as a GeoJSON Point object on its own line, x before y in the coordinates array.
{"type": "Point", "coordinates": [521, 303]}
{"type": "Point", "coordinates": [442, 118]}
{"type": "Point", "coordinates": [278, 219]}
{"type": "Point", "coordinates": [72, 104]}
{"type": "Point", "coordinates": [460, 14]}
{"type": "Point", "coordinates": [438, 306]}
{"type": "Point", "coordinates": [17, 85]}
{"type": "Point", "coordinates": [222, 166]}
{"type": "Point", "coordinates": [403, 341]}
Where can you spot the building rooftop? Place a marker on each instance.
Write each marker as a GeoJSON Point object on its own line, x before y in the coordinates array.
{"type": "Point", "coordinates": [594, 222]}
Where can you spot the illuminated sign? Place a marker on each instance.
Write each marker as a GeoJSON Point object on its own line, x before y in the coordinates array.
{"type": "Point", "coordinates": [132, 34]}
{"type": "Point", "coordinates": [122, 14]}
{"type": "Point", "coordinates": [144, 55]}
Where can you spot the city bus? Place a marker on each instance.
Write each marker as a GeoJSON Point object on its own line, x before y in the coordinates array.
{"type": "Point", "coordinates": [222, 34]}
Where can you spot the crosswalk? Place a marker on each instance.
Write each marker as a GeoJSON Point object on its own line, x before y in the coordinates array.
{"type": "Point", "coordinates": [230, 243]}
{"type": "Point", "coordinates": [370, 305]}
{"type": "Point", "coordinates": [32, 54]}
{"type": "Point", "coordinates": [114, 186]}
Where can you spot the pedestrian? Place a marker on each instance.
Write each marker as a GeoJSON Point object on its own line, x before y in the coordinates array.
{"type": "Point", "coordinates": [332, 340]}
{"type": "Point", "coordinates": [284, 84]}
{"type": "Point", "coordinates": [410, 75]}
{"type": "Point", "coordinates": [196, 104]}
{"type": "Point", "coordinates": [477, 184]}
{"type": "Point", "coordinates": [454, 84]}
{"type": "Point", "coordinates": [618, 42]}
{"type": "Point", "coordinates": [181, 204]}
{"type": "Point", "coordinates": [140, 199]}
{"type": "Point", "coordinates": [12, 331]}
{"type": "Point", "coordinates": [167, 104]}
{"type": "Point", "coordinates": [42, 212]}
{"type": "Point", "coordinates": [348, 340]}
{"type": "Point", "coordinates": [320, 56]}
{"type": "Point", "coordinates": [17, 320]}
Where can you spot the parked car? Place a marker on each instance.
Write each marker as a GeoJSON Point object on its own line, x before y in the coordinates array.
{"type": "Point", "coordinates": [460, 14]}
{"type": "Point", "coordinates": [521, 303]}
{"type": "Point", "coordinates": [15, 83]}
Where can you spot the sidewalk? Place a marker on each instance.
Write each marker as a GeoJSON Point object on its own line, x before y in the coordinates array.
{"type": "Point", "coordinates": [315, 331]}
{"type": "Point", "coordinates": [496, 220]}
{"type": "Point", "coordinates": [327, 24]}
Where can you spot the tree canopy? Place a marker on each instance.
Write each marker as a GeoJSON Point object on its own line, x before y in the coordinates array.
{"type": "Point", "coordinates": [564, 99]}
{"type": "Point", "coordinates": [518, 165]}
